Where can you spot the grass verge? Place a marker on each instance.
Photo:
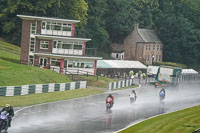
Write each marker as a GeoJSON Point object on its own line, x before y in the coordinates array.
{"type": "Point", "coordinates": [184, 121]}
{"type": "Point", "coordinates": [102, 82]}
{"type": "Point", "coordinates": [12, 73]}
{"type": "Point", "coordinates": [33, 99]}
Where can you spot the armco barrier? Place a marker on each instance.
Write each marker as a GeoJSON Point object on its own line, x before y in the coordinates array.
{"type": "Point", "coordinates": [120, 84]}
{"type": "Point", "coordinates": [40, 88]}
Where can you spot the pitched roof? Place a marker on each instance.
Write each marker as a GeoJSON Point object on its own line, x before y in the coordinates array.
{"type": "Point", "coordinates": [118, 48]}
{"type": "Point", "coordinates": [120, 64]}
{"type": "Point", "coordinates": [149, 35]}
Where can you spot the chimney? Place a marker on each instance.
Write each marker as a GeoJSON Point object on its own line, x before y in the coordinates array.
{"type": "Point", "coordinates": [136, 27]}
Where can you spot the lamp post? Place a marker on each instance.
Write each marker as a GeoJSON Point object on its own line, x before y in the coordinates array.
{"type": "Point", "coordinates": [153, 59]}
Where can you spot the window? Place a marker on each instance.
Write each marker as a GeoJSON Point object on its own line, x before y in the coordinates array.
{"type": "Point", "coordinates": [59, 44]}
{"type": "Point", "coordinates": [44, 44]}
{"type": "Point", "coordinates": [48, 26]}
{"type": "Point", "coordinates": [67, 46]}
{"type": "Point", "coordinates": [158, 47]}
{"type": "Point", "coordinates": [149, 46]}
{"type": "Point", "coordinates": [32, 44]}
{"type": "Point", "coordinates": [54, 44]}
{"type": "Point", "coordinates": [57, 26]}
{"type": "Point", "coordinates": [33, 28]}
{"type": "Point", "coordinates": [78, 47]}
{"type": "Point", "coordinates": [55, 62]}
{"type": "Point", "coordinates": [154, 47]}
{"type": "Point", "coordinates": [67, 27]}
{"type": "Point", "coordinates": [43, 25]}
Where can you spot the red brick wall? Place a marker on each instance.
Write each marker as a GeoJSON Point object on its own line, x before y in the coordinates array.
{"type": "Point", "coordinates": [37, 46]}
{"type": "Point", "coordinates": [130, 44]}
{"type": "Point", "coordinates": [38, 31]}
{"type": "Point", "coordinates": [25, 39]}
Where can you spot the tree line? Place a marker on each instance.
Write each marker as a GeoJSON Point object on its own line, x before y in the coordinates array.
{"type": "Point", "coordinates": [177, 22]}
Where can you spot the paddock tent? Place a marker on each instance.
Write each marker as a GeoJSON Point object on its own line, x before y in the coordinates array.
{"type": "Point", "coordinates": [120, 64]}
{"type": "Point", "coordinates": [189, 71]}
{"type": "Point", "coordinates": [119, 68]}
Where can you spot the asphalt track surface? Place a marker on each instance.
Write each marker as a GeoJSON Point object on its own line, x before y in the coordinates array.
{"type": "Point", "coordinates": [88, 115]}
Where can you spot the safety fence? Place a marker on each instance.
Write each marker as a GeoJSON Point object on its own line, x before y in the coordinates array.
{"type": "Point", "coordinates": [189, 77]}
{"type": "Point", "coordinates": [120, 84]}
{"type": "Point", "coordinates": [41, 88]}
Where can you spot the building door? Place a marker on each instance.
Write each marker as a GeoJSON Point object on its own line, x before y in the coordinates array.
{"type": "Point", "coordinates": [43, 62]}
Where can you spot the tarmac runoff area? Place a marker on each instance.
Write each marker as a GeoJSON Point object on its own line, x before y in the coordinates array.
{"type": "Point", "coordinates": [89, 115]}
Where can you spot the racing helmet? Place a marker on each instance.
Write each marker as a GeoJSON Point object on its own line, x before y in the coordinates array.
{"type": "Point", "coordinates": [7, 105]}
{"type": "Point", "coordinates": [110, 95]}
{"type": "Point", "coordinates": [133, 91]}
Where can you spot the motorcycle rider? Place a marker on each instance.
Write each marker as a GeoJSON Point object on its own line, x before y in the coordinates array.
{"type": "Point", "coordinates": [110, 96]}
{"type": "Point", "coordinates": [133, 95]}
{"type": "Point", "coordinates": [8, 109]}
{"type": "Point", "coordinates": [162, 92]}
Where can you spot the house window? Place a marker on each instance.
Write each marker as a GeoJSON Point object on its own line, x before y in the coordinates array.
{"type": "Point", "coordinates": [33, 28]}
{"type": "Point", "coordinates": [67, 27]}
{"type": "Point", "coordinates": [149, 46]}
{"type": "Point", "coordinates": [147, 57]}
{"type": "Point", "coordinates": [43, 25]}
{"type": "Point", "coordinates": [154, 47]}
{"type": "Point", "coordinates": [54, 44]}
{"type": "Point", "coordinates": [44, 44]}
{"type": "Point", "coordinates": [32, 44]}
{"type": "Point", "coordinates": [158, 46]}
{"type": "Point", "coordinates": [48, 26]}
{"type": "Point", "coordinates": [55, 62]}
{"type": "Point", "coordinates": [78, 47]}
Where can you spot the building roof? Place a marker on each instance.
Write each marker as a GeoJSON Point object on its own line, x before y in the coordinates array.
{"type": "Point", "coordinates": [46, 18]}
{"type": "Point", "coordinates": [120, 64]}
{"type": "Point", "coordinates": [117, 48]}
{"type": "Point", "coordinates": [149, 35]}
{"type": "Point", "coordinates": [67, 56]}
{"type": "Point", "coordinates": [189, 71]}
{"type": "Point", "coordinates": [61, 37]}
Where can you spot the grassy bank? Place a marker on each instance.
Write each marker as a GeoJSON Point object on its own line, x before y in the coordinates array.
{"type": "Point", "coordinates": [12, 73]}
{"type": "Point", "coordinates": [47, 97]}
{"type": "Point", "coordinates": [102, 82]}
{"type": "Point", "coordinates": [184, 121]}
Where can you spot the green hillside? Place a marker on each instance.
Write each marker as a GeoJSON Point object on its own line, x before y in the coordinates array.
{"type": "Point", "coordinates": [12, 73]}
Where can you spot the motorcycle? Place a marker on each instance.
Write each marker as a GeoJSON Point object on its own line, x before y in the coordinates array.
{"type": "Point", "coordinates": [109, 103]}
{"type": "Point", "coordinates": [162, 96]}
{"type": "Point", "coordinates": [132, 98]}
{"type": "Point", "coordinates": [4, 121]}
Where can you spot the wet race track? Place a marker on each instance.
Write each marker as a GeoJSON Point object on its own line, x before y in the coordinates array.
{"type": "Point", "coordinates": [88, 115]}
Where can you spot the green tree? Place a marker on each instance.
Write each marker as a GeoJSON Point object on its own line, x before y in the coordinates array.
{"type": "Point", "coordinates": [11, 24]}
{"type": "Point", "coordinates": [120, 18]}
{"type": "Point", "coordinates": [95, 28]}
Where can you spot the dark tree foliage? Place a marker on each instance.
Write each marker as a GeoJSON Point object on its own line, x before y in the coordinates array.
{"type": "Point", "coordinates": [95, 28]}
{"type": "Point", "coordinates": [11, 24]}
{"type": "Point", "coordinates": [179, 32]}
{"type": "Point", "coordinates": [120, 19]}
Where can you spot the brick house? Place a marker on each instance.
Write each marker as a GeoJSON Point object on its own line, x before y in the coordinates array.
{"type": "Point", "coordinates": [50, 43]}
{"type": "Point", "coordinates": [143, 45]}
